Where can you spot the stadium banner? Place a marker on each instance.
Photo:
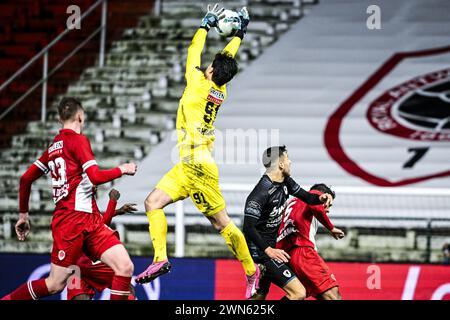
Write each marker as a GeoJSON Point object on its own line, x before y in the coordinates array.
{"type": "Point", "coordinates": [224, 279]}
{"type": "Point", "coordinates": [357, 281]}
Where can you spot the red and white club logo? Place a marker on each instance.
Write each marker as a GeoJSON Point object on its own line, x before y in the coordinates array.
{"type": "Point", "coordinates": [418, 109]}
{"type": "Point", "coordinates": [394, 129]}
{"type": "Point", "coordinates": [61, 255]}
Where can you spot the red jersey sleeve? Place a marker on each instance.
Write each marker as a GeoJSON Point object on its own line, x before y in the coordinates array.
{"type": "Point", "coordinates": [83, 153]}
{"type": "Point", "coordinates": [85, 156]}
{"type": "Point", "coordinates": [42, 162]}
{"type": "Point", "coordinates": [321, 215]}
{"type": "Point", "coordinates": [34, 172]}
{"type": "Point", "coordinates": [110, 212]}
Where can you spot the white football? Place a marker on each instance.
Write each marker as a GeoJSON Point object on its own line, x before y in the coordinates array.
{"type": "Point", "coordinates": [229, 24]}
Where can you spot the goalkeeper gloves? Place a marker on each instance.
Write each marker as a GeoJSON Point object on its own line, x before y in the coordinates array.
{"type": "Point", "coordinates": [245, 19]}
{"type": "Point", "coordinates": [212, 17]}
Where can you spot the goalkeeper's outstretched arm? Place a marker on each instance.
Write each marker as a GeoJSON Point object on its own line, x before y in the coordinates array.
{"type": "Point", "coordinates": [233, 46]}
{"type": "Point", "coordinates": [195, 50]}
{"type": "Point", "coordinates": [194, 56]}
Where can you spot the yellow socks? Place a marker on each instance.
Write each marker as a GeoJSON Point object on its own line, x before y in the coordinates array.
{"type": "Point", "coordinates": [158, 233]}
{"type": "Point", "coordinates": [236, 242]}
{"type": "Point", "coordinates": [233, 237]}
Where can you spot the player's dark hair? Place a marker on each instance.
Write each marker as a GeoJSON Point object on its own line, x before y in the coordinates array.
{"type": "Point", "coordinates": [322, 187]}
{"type": "Point", "coordinates": [225, 68]}
{"type": "Point", "coordinates": [272, 154]}
{"type": "Point", "coordinates": [68, 107]}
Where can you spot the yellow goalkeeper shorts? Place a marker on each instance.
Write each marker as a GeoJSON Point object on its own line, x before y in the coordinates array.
{"type": "Point", "coordinates": [199, 181]}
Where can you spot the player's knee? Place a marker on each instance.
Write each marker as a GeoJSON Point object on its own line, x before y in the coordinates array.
{"type": "Point", "coordinates": [220, 220]}
{"type": "Point", "coordinates": [298, 294]}
{"type": "Point", "coordinates": [54, 286]}
{"type": "Point", "coordinates": [148, 203]}
{"type": "Point", "coordinates": [125, 268]}
{"type": "Point", "coordinates": [216, 225]}
{"type": "Point", "coordinates": [301, 295]}
{"type": "Point", "coordinates": [332, 294]}
{"type": "Point", "coordinates": [151, 202]}
{"type": "Point", "coordinates": [222, 224]}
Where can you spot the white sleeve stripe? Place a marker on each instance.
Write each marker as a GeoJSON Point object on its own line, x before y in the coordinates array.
{"type": "Point", "coordinates": [40, 165]}
{"type": "Point", "coordinates": [89, 164]}
{"type": "Point", "coordinates": [37, 164]}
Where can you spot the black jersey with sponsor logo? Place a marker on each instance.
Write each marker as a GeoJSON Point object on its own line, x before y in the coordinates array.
{"type": "Point", "coordinates": [263, 212]}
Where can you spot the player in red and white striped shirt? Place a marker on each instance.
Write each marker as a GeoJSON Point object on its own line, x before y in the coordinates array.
{"type": "Point", "coordinates": [296, 236]}
{"type": "Point", "coordinates": [77, 224]}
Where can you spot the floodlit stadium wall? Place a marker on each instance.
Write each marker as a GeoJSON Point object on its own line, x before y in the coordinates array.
{"type": "Point", "coordinates": [222, 279]}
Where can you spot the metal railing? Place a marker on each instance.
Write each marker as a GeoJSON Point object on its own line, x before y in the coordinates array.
{"type": "Point", "coordinates": [44, 53]}
{"type": "Point", "coordinates": [184, 213]}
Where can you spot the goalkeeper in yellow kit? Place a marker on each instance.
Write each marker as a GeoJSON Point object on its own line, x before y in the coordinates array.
{"type": "Point", "coordinates": [196, 174]}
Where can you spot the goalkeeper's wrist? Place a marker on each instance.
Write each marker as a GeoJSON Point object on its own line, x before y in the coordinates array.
{"type": "Point", "coordinates": [206, 23]}
{"type": "Point", "coordinates": [240, 34]}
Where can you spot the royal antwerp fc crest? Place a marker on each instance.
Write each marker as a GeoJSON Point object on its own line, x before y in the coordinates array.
{"type": "Point", "coordinates": [418, 109]}
{"type": "Point", "coordinates": [61, 255]}
{"type": "Point", "coordinates": [394, 130]}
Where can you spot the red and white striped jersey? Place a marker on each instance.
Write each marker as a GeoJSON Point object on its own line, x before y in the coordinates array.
{"type": "Point", "coordinates": [300, 223]}
{"type": "Point", "coordinates": [67, 159]}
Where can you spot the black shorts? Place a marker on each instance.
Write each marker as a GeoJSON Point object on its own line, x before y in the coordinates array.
{"type": "Point", "coordinates": [277, 273]}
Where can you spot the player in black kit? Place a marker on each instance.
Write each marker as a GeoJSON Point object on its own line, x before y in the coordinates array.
{"type": "Point", "coordinates": [263, 213]}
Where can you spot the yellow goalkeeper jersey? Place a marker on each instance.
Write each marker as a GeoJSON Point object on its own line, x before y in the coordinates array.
{"type": "Point", "coordinates": [200, 102]}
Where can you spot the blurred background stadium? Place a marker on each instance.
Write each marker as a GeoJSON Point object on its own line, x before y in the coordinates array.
{"type": "Point", "coordinates": [311, 73]}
